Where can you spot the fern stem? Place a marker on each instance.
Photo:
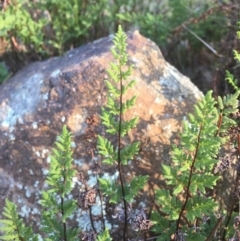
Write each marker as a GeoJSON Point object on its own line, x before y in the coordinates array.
{"type": "Point", "coordinates": [64, 224]}
{"type": "Point", "coordinates": [189, 179]}
{"type": "Point", "coordinates": [62, 203]}
{"type": "Point", "coordinates": [211, 235]}
{"type": "Point", "coordinates": [101, 203]}
{"type": "Point", "coordinates": [119, 154]}
{"type": "Point", "coordinates": [91, 219]}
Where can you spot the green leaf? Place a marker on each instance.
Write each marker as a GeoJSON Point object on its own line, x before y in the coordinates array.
{"type": "Point", "coordinates": [69, 207]}
{"type": "Point", "coordinates": [56, 206]}
{"type": "Point", "coordinates": [128, 152]}
{"type": "Point", "coordinates": [13, 226]}
{"type": "Point", "coordinates": [128, 125]}
{"type": "Point", "coordinates": [104, 236]}
{"type": "Point", "coordinates": [134, 186]}
{"type": "Point", "coordinates": [178, 189]}
{"type": "Point", "coordinates": [129, 103]}
{"type": "Point", "coordinates": [106, 149]}
{"type": "Point", "coordinates": [166, 170]}
{"type": "Point", "coordinates": [110, 189]}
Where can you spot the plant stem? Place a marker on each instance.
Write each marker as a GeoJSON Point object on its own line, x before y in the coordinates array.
{"type": "Point", "coordinates": [211, 235]}
{"type": "Point", "coordinates": [119, 156]}
{"type": "Point", "coordinates": [62, 202]}
{"type": "Point", "coordinates": [64, 224]}
{"type": "Point", "coordinates": [101, 201]}
{"type": "Point", "coordinates": [91, 219]}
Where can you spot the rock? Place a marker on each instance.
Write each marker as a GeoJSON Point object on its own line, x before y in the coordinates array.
{"type": "Point", "coordinates": [40, 99]}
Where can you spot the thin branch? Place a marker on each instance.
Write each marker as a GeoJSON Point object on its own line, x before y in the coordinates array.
{"type": "Point", "coordinates": [204, 42]}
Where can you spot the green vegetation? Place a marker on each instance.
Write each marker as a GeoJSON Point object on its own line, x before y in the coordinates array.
{"type": "Point", "coordinates": [229, 77]}
{"type": "Point", "coordinates": [17, 24]}
{"type": "Point", "coordinates": [40, 29]}
{"type": "Point", "coordinates": [112, 118]}
{"type": "Point", "coordinates": [187, 208]}
{"type": "Point", "coordinates": [4, 74]}
{"type": "Point", "coordinates": [13, 226]}
{"type": "Point", "coordinates": [63, 24]}
{"type": "Point", "coordinates": [191, 172]}
{"type": "Point", "coordinates": [48, 27]}
{"type": "Point", "coordinates": [55, 219]}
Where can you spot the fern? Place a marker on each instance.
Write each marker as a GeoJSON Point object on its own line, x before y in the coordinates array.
{"type": "Point", "coordinates": [229, 77]}
{"type": "Point", "coordinates": [13, 226]}
{"type": "Point", "coordinates": [104, 236]}
{"type": "Point", "coordinates": [112, 118]}
{"type": "Point", "coordinates": [191, 174]}
{"type": "Point", "coordinates": [231, 80]}
{"type": "Point", "coordinates": [60, 184]}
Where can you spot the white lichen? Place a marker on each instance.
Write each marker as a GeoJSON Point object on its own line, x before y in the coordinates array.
{"type": "Point", "coordinates": [27, 193]}
{"type": "Point", "coordinates": [79, 162]}
{"type": "Point", "coordinates": [48, 159]}
{"type": "Point", "coordinates": [36, 184]}
{"type": "Point", "coordinates": [44, 152]}
{"type": "Point", "coordinates": [45, 96]}
{"type": "Point", "coordinates": [19, 185]}
{"type": "Point", "coordinates": [34, 125]}
{"type": "Point", "coordinates": [11, 137]}
{"type": "Point", "coordinates": [73, 144]}
{"type": "Point", "coordinates": [18, 105]}
{"type": "Point", "coordinates": [55, 73]}
{"type": "Point", "coordinates": [25, 210]}
{"type": "Point", "coordinates": [20, 120]}
{"type": "Point", "coordinates": [45, 171]}
{"type": "Point", "coordinates": [92, 180]}
{"type": "Point", "coordinates": [74, 181]}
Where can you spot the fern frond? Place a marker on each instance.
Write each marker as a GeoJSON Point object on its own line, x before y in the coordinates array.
{"type": "Point", "coordinates": [104, 236]}
{"type": "Point", "coordinates": [133, 187]}
{"type": "Point", "coordinates": [128, 152]}
{"type": "Point", "coordinates": [57, 207]}
{"type": "Point", "coordinates": [13, 226]}
{"type": "Point", "coordinates": [106, 149]}
{"type": "Point", "coordinates": [113, 119]}
{"type": "Point", "coordinates": [230, 78]}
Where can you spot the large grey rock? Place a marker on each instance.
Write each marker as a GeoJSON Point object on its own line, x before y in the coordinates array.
{"type": "Point", "coordinates": [40, 99]}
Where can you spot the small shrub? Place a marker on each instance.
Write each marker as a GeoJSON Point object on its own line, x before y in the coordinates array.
{"type": "Point", "coordinates": [70, 21]}
{"type": "Point", "coordinates": [17, 25]}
